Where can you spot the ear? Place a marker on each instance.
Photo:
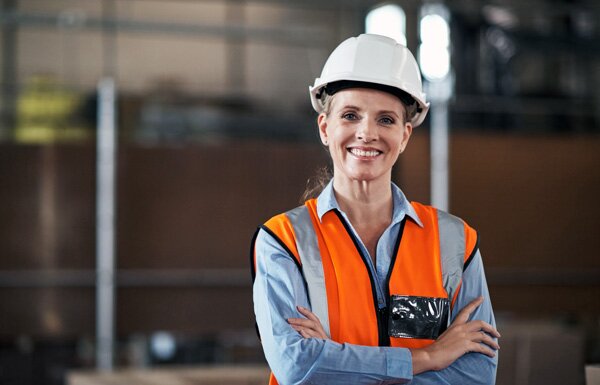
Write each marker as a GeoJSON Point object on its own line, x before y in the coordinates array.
{"type": "Point", "coordinates": [322, 123]}
{"type": "Point", "coordinates": [408, 128]}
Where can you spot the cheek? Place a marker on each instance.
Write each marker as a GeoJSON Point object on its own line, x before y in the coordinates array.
{"type": "Point", "coordinates": [334, 135]}
{"type": "Point", "coordinates": [396, 144]}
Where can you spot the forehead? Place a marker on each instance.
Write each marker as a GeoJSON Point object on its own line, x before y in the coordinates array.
{"type": "Point", "coordinates": [367, 99]}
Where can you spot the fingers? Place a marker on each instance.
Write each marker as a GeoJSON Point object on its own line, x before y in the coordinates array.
{"type": "Point", "coordinates": [479, 325]}
{"type": "Point", "coordinates": [309, 327]}
{"type": "Point", "coordinates": [311, 320]}
{"type": "Point", "coordinates": [484, 338]}
{"type": "Point", "coordinates": [475, 347]}
{"type": "Point", "coordinates": [308, 314]}
{"type": "Point", "coordinates": [463, 315]}
{"type": "Point", "coordinates": [302, 322]}
{"type": "Point", "coordinates": [307, 333]}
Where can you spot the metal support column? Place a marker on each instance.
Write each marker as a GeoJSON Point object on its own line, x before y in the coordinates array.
{"type": "Point", "coordinates": [440, 93]}
{"type": "Point", "coordinates": [9, 81]}
{"type": "Point", "coordinates": [439, 155]}
{"type": "Point", "coordinates": [105, 224]}
{"type": "Point", "coordinates": [236, 48]}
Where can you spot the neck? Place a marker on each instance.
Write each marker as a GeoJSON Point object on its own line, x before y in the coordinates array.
{"type": "Point", "coordinates": [365, 202]}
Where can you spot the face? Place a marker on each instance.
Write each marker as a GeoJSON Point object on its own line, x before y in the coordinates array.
{"type": "Point", "coordinates": [365, 132]}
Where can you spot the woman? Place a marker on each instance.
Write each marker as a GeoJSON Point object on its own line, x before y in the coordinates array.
{"type": "Point", "coordinates": [359, 286]}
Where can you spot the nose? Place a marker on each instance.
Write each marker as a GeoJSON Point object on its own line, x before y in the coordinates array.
{"type": "Point", "coordinates": [367, 131]}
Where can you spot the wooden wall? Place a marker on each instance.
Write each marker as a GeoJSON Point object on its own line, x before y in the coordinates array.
{"type": "Point", "coordinates": [534, 202]}
{"type": "Point", "coordinates": [186, 216]}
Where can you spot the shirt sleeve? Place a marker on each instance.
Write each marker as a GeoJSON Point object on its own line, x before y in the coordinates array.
{"type": "Point", "coordinates": [278, 289]}
{"type": "Point", "coordinates": [472, 368]}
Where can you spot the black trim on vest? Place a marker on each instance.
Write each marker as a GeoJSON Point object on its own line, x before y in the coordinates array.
{"type": "Point", "coordinates": [283, 245]}
{"type": "Point", "coordinates": [253, 271]}
{"type": "Point", "coordinates": [468, 261]}
{"type": "Point", "coordinates": [253, 267]}
{"type": "Point", "coordinates": [287, 250]}
{"type": "Point", "coordinates": [384, 339]}
{"type": "Point", "coordinates": [394, 255]}
{"type": "Point", "coordinates": [252, 264]}
{"type": "Point", "coordinates": [389, 277]}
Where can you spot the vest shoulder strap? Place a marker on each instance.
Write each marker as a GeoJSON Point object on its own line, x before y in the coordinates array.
{"type": "Point", "coordinates": [457, 244]}
{"type": "Point", "coordinates": [307, 244]}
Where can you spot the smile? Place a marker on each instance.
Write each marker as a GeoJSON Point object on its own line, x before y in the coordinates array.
{"type": "Point", "coordinates": [364, 153]}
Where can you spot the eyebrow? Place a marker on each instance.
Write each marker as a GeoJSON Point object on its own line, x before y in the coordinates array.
{"type": "Point", "coordinates": [353, 107]}
{"type": "Point", "coordinates": [389, 112]}
{"type": "Point", "coordinates": [349, 106]}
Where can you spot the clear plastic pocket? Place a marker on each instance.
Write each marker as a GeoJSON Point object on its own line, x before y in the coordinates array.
{"type": "Point", "coordinates": [418, 317]}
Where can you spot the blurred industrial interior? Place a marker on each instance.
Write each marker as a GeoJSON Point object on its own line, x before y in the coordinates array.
{"type": "Point", "coordinates": [215, 134]}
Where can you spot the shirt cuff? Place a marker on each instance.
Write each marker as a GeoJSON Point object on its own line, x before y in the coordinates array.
{"type": "Point", "coordinates": [399, 363]}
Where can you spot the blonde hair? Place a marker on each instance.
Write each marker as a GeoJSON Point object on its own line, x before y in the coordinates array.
{"type": "Point", "coordinates": [315, 184]}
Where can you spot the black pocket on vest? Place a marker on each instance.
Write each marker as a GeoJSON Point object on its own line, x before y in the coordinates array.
{"type": "Point", "coordinates": [417, 317]}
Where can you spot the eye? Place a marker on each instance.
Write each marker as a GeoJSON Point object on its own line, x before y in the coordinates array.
{"type": "Point", "coordinates": [350, 116]}
{"type": "Point", "coordinates": [386, 120]}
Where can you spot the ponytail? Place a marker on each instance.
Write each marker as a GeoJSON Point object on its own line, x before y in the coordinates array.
{"type": "Point", "coordinates": [316, 183]}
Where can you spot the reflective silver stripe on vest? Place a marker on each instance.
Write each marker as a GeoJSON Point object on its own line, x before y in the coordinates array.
{"type": "Point", "coordinates": [312, 265]}
{"type": "Point", "coordinates": [452, 250]}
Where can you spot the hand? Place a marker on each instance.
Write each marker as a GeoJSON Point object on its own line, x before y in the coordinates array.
{"type": "Point", "coordinates": [309, 327]}
{"type": "Point", "coordinates": [461, 337]}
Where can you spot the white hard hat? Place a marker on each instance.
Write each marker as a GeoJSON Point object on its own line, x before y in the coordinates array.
{"type": "Point", "coordinates": [372, 61]}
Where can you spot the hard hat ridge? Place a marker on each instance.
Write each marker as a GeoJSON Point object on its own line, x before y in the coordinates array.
{"type": "Point", "coordinates": [334, 87]}
{"type": "Point", "coordinates": [372, 61]}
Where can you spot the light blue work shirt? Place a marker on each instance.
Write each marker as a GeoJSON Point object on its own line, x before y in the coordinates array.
{"type": "Point", "coordinates": [279, 288]}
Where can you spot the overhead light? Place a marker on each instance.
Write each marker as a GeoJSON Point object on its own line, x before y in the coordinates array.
{"type": "Point", "coordinates": [434, 50]}
{"type": "Point", "coordinates": [387, 20]}
{"type": "Point", "coordinates": [500, 16]}
{"type": "Point", "coordinates": [163, 345]}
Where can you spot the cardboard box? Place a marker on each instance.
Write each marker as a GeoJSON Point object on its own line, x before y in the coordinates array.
{"type": "Point", "coordinates": [592, 374]}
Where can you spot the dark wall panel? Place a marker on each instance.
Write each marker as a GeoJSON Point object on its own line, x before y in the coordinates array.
{"type": "Point", "coordinates": [194, 209]}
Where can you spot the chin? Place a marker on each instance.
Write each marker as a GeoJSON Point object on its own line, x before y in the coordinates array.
{"type": "Point", "coordinates": [364, 174]}
{"type": "Point", "coordinates": [366, 177]}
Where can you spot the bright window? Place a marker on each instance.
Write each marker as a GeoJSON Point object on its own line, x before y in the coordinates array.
{"type": "Point", "coordinates": [387, 20]}
{"type": "Point", "coordinates": [434, 50]}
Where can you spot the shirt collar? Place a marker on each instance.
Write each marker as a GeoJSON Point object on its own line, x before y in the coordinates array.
{"type": "Point", "coordinates": [327, 202]}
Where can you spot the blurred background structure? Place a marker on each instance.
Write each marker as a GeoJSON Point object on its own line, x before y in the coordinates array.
{"type": "Point", "coordinates": [215, 134]}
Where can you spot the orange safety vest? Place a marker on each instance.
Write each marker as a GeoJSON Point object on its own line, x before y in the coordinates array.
{"type": "Point", "coordinates": [428, 262]}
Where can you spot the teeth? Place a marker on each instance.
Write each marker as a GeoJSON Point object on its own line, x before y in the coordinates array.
{"type": "Point", "coordinates": [358, 152]}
